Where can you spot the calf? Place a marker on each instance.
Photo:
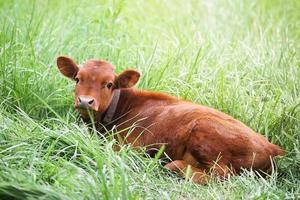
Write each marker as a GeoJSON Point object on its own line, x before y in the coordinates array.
{"type": "Point", "coordinates": [199, 140]}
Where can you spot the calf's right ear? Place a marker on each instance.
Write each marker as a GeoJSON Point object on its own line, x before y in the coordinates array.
{"type": "Point", "coordinates": [67, 66]}
{"type": "Point", "coordinates": [127, 79]}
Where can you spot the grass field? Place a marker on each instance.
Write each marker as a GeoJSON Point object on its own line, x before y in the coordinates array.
{"type": "Point", "coordinates": [241, 57]}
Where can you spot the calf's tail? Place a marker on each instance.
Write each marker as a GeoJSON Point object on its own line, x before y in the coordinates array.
{"type": "Point", "coordinates": [277, 151]}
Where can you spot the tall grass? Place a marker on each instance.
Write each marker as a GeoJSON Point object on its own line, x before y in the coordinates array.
{"type": "Point", "coordinates": [241, 57]}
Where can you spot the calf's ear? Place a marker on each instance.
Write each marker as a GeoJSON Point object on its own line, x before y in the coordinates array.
{"type": "Point", "coordinates": [127, 79]}
{"type": "Point", "coordinates": [67, 66]}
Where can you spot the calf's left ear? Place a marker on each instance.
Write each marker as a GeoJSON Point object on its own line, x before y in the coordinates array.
{"type": "Point", "coordinates": [127, 79]}
{"type": "Point", "coordinates": [67, 66]}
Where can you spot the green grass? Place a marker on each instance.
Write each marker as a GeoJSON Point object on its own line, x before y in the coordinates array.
{"type": "Point", "coordinates": [241, 57]}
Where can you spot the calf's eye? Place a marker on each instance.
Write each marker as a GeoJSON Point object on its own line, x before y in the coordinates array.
{"type": "Point", "coordinates": [76, 79]}
{"type": "Point", "coordinates": [109, 85]}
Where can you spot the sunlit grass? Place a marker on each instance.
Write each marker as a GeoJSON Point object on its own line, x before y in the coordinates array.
{"type": "Point", "coordinates": [241, 57]}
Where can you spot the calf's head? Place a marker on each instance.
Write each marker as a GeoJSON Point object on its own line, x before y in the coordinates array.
{"type": "Point", "coordinates": [95, 83]}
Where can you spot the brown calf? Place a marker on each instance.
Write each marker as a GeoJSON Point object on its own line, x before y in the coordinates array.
{"type": "Point", "coordinates": [205, 139]}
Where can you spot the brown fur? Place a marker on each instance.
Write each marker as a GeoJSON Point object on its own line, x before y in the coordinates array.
{"type": "Point", "coordinates": [203, 138]}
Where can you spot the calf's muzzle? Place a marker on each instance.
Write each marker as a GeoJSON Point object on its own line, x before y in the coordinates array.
{"type": "Point", "coordinates": [86, 102]}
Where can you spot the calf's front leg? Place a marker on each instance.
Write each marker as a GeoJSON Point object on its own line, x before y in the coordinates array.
{"type": "Point", "coordinates": [197, 175]}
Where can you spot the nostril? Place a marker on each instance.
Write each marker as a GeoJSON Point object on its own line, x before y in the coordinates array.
{"type": "Point", "coordinates": [91, 101]}
{"type": "Point", "coordinates": [79, 99]}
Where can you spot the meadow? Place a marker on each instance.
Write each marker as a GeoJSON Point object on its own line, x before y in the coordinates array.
{"type": "Point", "coordinates": [240, 57]}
